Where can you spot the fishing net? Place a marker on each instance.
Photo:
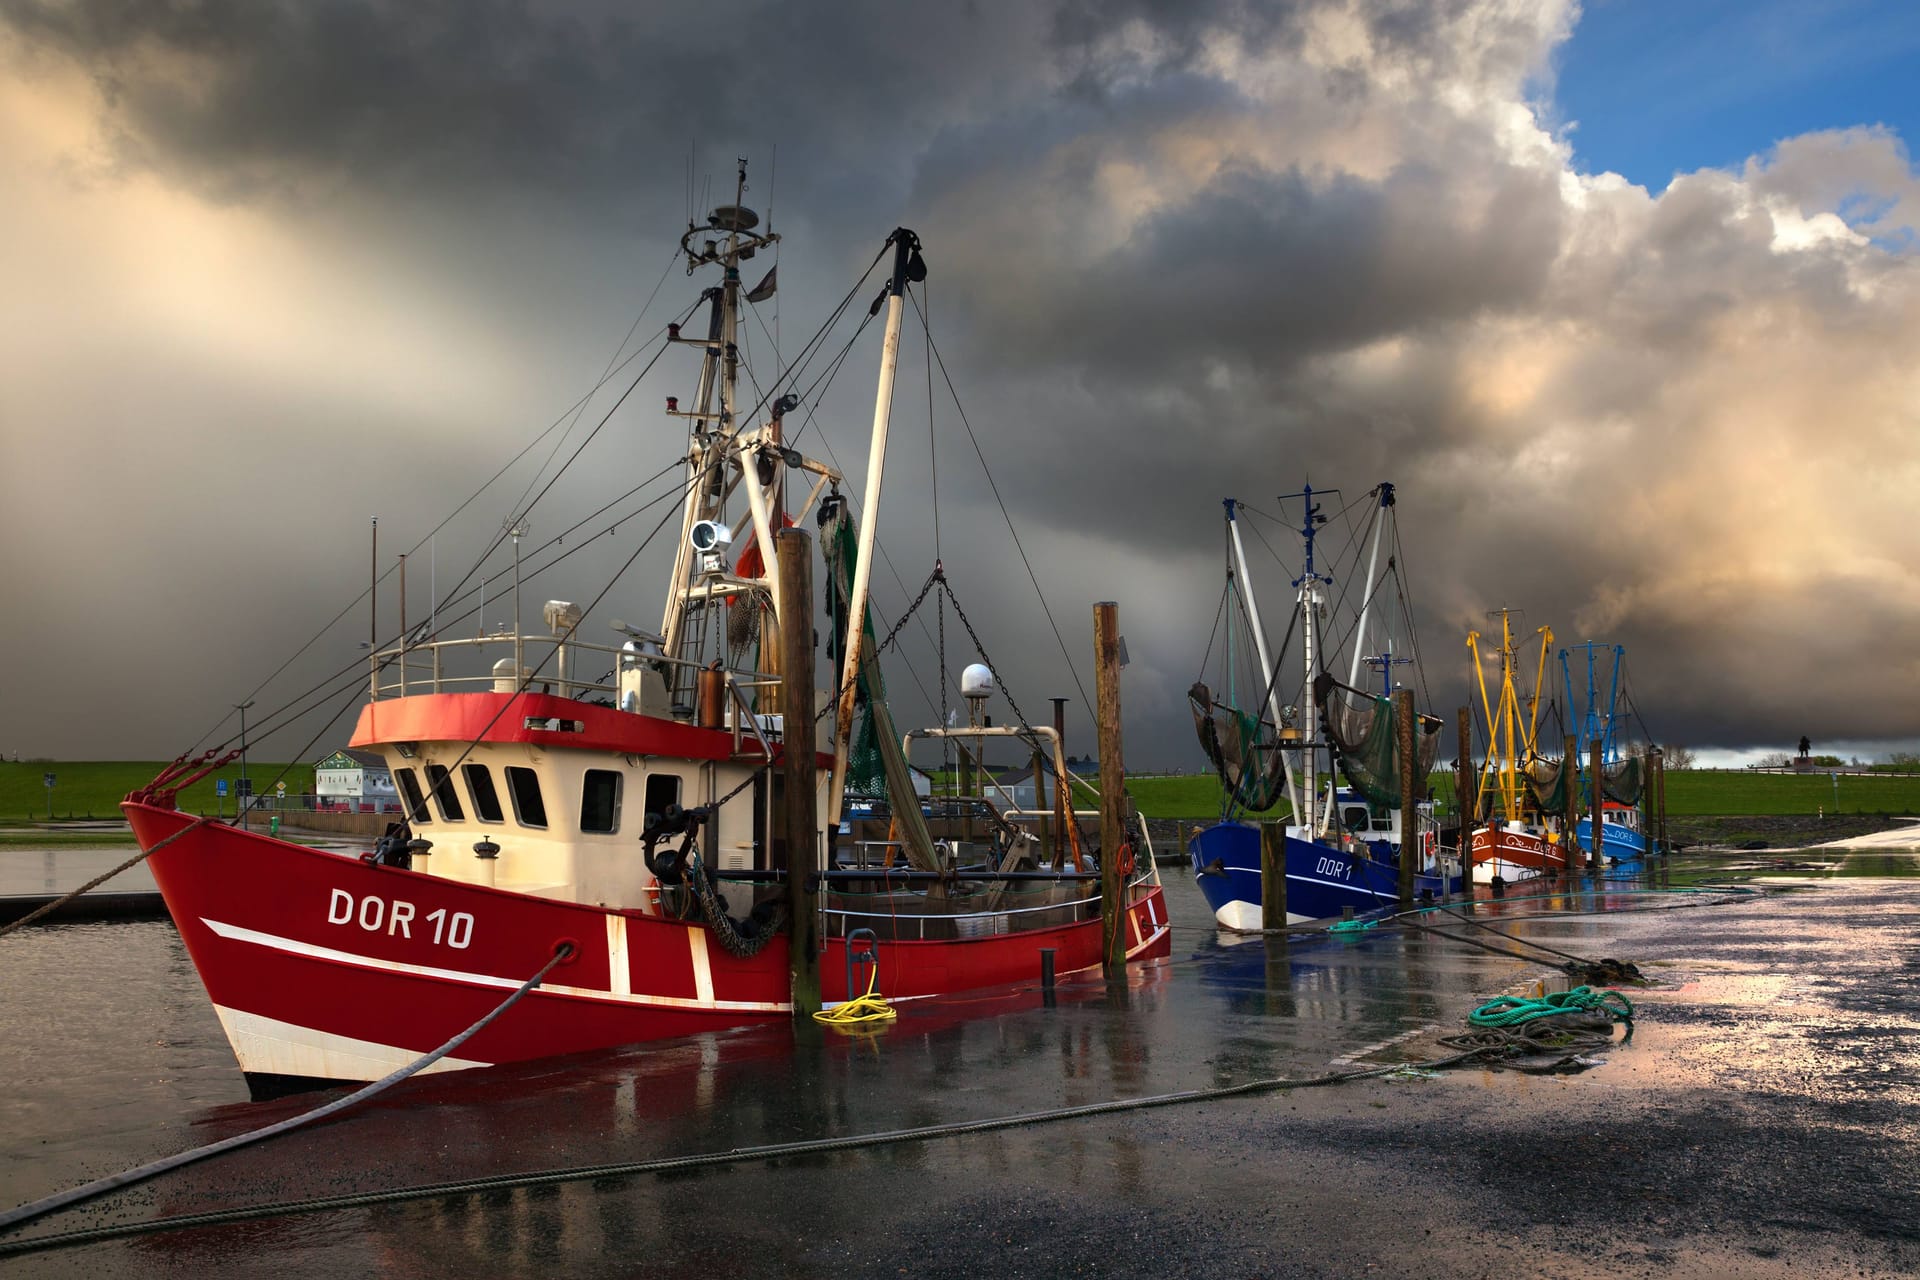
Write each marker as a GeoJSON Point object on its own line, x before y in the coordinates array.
{"type": "Point", "coordinates": [876, 765]}
{"type": "Point", "coordinates": [1251, 767]}
{"type": "Point", "coordinates": [1621, 781]}
{"type": "Point", "coordinates": [1547, 784]}
{"type": "Point", "coordinates": [1362, 729]}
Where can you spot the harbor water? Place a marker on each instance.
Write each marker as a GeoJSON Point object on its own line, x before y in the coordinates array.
{"type": "Point", "coordinates": [1778, 1044]}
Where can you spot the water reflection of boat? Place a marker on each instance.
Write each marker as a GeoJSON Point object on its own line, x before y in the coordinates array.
{"type": "Point", "coordinates": [530, 792]}
{"type": "Point", "coordinates": [1342, 845]}
{"type": "Point", "coordinates": [714, 1092]}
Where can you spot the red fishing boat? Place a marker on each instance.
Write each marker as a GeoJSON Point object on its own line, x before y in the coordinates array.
{"type": "Point", "coordinates": [1514, 851]}
{"type": "Point", "coordinates": [1514, 843]}
{"type": "Point", "coordinates": [632, 822]}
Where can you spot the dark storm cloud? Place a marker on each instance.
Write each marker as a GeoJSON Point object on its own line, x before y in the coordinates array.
{"type": "Point", "coordinates": [1262, 269]}
{"type": "Point", "coordinates": [440, 99]}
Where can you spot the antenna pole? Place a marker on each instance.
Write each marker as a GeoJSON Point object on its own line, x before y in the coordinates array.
{"type": "Point", "coordinates": [373, 613]}
{"type": "Point", "coordinates": [519, 666]}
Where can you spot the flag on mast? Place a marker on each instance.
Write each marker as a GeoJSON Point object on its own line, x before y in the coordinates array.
{"type": "Point", "coordinates": [768, 283]}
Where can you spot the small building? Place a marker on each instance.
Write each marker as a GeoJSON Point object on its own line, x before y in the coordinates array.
{"type": "Point", "coordinates": [358, 780]}
{"type": "Point", "coordinates": [1014, 788]}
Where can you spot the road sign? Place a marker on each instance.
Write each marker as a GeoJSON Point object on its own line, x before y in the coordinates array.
{"type": "Point", "coordinates": [280, 788]}
{"type": "Point", "coordinates": [49, 780]}
{"type": "Point", "coordinates": [220, 786]}
{"type": "Point", "coordinates": [244, 785]}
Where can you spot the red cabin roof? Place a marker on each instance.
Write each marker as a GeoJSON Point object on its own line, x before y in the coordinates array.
{"type": "Point", "coordinates": [545, 720]}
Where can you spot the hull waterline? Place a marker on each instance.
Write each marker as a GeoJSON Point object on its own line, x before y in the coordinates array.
{"type": "Point", "coordinates": [1322, 880]}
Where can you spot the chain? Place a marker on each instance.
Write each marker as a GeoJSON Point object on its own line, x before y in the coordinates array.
{"type": "Point", "coordinates": [938, 575]}
{"type": "Point", "coordinates": [981, 649]}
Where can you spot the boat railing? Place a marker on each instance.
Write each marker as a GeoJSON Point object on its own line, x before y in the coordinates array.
{"type": "Point", "coordinates": [1074, 908]}
{"type": "Point", "coordinates": [549, 664]}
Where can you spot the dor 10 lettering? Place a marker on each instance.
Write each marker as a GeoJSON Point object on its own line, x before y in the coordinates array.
{"type": "Point", "coordinates": [396, 919]}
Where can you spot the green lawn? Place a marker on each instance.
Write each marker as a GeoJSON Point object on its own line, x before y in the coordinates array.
{"type": "Point", "coordinates": [1184, 796]}
{"type": "Point", "coordinates": [1690, 792]}
{"type": "Point", "coordinates": [95, 788]}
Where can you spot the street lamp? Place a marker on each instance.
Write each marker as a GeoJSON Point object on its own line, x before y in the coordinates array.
{"type": "Point", "coordinates": [246, 787]}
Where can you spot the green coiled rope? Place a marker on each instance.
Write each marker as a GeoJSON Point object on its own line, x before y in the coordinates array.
{"type": "Point", "coordinates": [1511, 1011]}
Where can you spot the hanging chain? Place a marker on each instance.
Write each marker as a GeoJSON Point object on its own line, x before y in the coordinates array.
{"type": "Point", "coordinates": [982, 651]}
{"type": "Point", "coordinates": [938, 575]}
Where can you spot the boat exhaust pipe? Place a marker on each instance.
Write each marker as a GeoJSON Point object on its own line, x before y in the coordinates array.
{"type": "Point", "coordinates": [710, 698]}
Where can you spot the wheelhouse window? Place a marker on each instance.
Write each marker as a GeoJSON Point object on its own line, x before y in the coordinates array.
{"type": "Point", "coordinates": [410, 789]}
{"type": "Point", "coordinates": [1354, 819]}
{"type": "Point", "coordinates": [524, 786]}
{"type": "Point", "coordinates": [445, 798]}
{"type": "Point", "coordinates": [600, 801]}
{"type": "Point", "coordinates": [663, 790]}
{"type": "Point", "coordinates": [486, 801]}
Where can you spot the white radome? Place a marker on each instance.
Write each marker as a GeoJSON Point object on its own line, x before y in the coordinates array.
{"type": "Point", "coordinates": [976, 681]}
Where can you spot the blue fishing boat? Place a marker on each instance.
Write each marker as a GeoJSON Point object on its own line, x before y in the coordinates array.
{"type": "Point", "coordinates": [1622, 775]}
{"type": "Point", "coordinates": [1343, 844]}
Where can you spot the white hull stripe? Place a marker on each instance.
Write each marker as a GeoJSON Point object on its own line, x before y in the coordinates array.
{"type": "Point", "coordinates": [702, 967]}
{"type": "Point", "coordinates": [617, 964]}
{"type": "Point", "coordinates": [1133, 952]}
{"type": "Point", "coordinates": [310, 950]}
{"type": "Point", "coordinates": [272, 1047]}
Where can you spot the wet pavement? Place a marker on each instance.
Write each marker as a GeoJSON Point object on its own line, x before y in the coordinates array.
{"type": "Point", "coordinates": [1763, 1120]}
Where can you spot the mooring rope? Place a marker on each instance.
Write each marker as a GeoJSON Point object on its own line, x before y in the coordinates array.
{"type": "Point", "coordinates": [40, 1208]}
{"type": "Point", "coordinates": [738, 1155]}
{"type": "Point", "coordinates": [63, 900]}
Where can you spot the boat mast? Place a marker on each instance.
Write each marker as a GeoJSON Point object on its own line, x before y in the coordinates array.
{"type": "Point", "coordinates": [1532, 744]}
{"type": "Point", "coordinates": [1260, 643]}
{"type": "Point", "coordinates": [1610, 751]}
{"type": "Point", "coordinates": [1310, 598]}
{"type": "Point", "coordinates": [716, 458]}
{"type": "Point", "coordinates": [907, 264]}
{"type": "Point", "coordinates": [1498, 774]}
{"type": "Point", "coordinates": [1366, 599]}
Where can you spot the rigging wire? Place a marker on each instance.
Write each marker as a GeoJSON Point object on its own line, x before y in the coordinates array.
{"type": "Point", "coordinates": [672, 257]}
{"type": "Point", "coordinates": [1406, 605]}
{"type": "Point", "coordinates": [1072, 670]}
{"type": "Point", "coordinates": [348, 681]}
{"type": "Point", "coordinates": [459, 587]}
{"type": "Point", "coordinates": [451, 516]}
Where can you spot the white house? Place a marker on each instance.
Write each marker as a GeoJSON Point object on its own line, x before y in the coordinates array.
{"type": "Point", "coordinates": [355, 778]}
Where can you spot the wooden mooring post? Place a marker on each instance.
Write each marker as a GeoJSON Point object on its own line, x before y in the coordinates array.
{"type": "Point", "coordinates": [1466, 801]}
{"type": "Point", "coordinates": [794, 549]}
{"type": "Point", "coordinates": [1273, 876]}
{"type": "Point", "coordinates": [1660, 799]}
{"type": "Point", "coordinates": [1063, 839]}
{"type": "Point", "coordinates": [1113, 833]}
{"type": "Point", "coordinates": [1599, 835]}
{"type": "Point", "coordinates": [1570, 795]}
{"type": "Point", "coordinates": [1409, 799]}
